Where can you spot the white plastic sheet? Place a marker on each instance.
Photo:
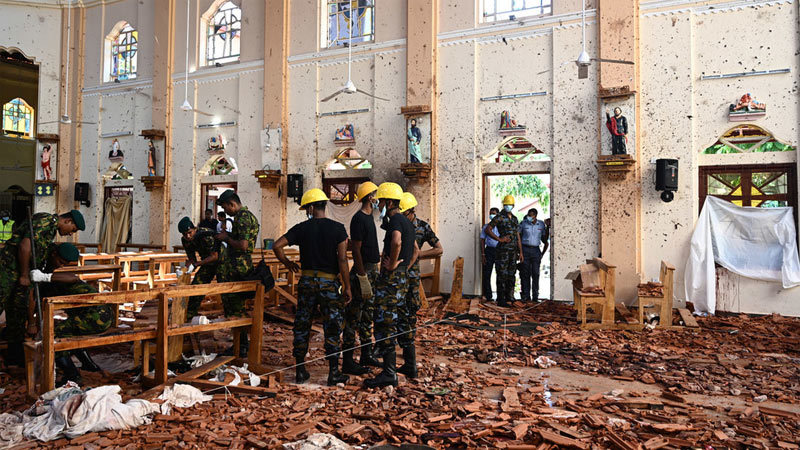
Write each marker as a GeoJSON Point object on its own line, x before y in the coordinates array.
{"type": "Point", "coordinates": [757, 243]}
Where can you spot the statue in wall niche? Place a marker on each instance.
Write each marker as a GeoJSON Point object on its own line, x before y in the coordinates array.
{"type": "Point", "coordinates": [747, 104]}
{"type": "Point", "coordinates": [47, 172]}
{"type": "Point", "coordinates": [345, 133]}
{"type": "Point", "coordinates": [507, 122]}
{"type": "Point", "coordinates": [414, 138]}
{"type": "Point", "coordinates": [115, 154]}
{"type": "Point", "coordinates": [216, 143]}
{"type": "Point", "coordinates": [618, 126]}
{"type": "Point", "coordinates": [151, 159]}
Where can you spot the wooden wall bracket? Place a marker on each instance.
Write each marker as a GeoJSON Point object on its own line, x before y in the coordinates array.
{"type": "Point", "coordinates": [615, 167]}
{"type": "Point", "coordinates": [416, 171]}
{"type": "Point", "coordinates": [153, 134]}
{"type": "Point", "coordinates": [268, 178]}
{"type": "Point", "coordinates": [151, 183]}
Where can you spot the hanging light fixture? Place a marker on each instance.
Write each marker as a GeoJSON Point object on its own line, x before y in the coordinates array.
{"type": "Point", "coordinates": [186, 106]}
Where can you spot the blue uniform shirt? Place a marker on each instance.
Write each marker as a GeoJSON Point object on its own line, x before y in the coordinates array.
{"type": "Point", "coordinates": [489, 241]}
{"type": "Point", "coordinates": [532, 233]}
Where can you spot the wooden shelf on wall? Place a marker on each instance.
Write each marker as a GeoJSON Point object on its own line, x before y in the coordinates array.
{"type": "Point", "coordinates": [615, 167]}
{"type": "Point", "coordinates": [151, 183]}
{"type": "Point", "coordinates": [615, 92]}
{"type": "Point", "coordinates": [416, 171]}
{"type": "Point", "coordinates": [47, 137]}
{"type": "Point", "coordinates": [153, 134]}
{"type": "Point", "coordinates": [268, 178]}
{"type": "Point", "coordinates": [415, 110]}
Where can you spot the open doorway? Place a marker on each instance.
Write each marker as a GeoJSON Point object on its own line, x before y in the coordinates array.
{"type": "Point", "coordinates": [211, 192]}
{"type": "Point", "coordinates": [531, 190]}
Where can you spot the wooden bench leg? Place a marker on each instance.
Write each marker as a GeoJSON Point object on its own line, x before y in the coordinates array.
{"type": "Point", "coordinates": [640, 304]}
{"type": "Point", "coordinates": [30, 372]}
{"type": "Point", "coordinates": [256, 330]}
{"type": "Point", "coordinates": [145, 345]}
{"type": "Point", "coordinates": [48, 351]}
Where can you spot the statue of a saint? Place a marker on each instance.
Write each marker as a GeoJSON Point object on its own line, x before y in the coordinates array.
{"type": "Point", "coordinates": [47, 172]}
{"type": "Point", "coordinates": [618, 126]}
{"type": "Point", "coordinates": [748, 104]}
{"type": "Point", "coordinates": [115, 154]}
{"type": "Point", "coordinates": [151, 159]}
{"type": "Point", "coordinates": [414, 139]}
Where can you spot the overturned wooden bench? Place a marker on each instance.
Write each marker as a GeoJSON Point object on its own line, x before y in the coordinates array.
{"type": "Point", "coordinates": [593, 285]}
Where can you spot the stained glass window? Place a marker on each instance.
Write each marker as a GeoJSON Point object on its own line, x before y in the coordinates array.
{"type": "Point", "coordinates": [497, 10]}
{"type": "Point", "coordinates": [18, 118]}
{"type": "Point", "coordinates": [224, 32]}
{"type": "Point", "coordinates": [747, 139]}
{"type": "Point", "coordinates": [339, 21]}
{"type": "Point", "coordinates": [763, 186]}
{"type": "Point", "coordinates": [124, 49]}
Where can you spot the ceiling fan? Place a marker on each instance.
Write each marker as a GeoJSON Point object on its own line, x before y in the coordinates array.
{"type": "Point", "coordinates": [584, 60]}
{"type": "Point", "coordinates": [350, 87]}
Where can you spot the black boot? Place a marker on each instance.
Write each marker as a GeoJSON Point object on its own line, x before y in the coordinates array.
{"type": "Point", "coordinates": [244, 345]}
{"type": "Point", "coordinates": [367, 358]}
{"type": "Point", "coordinates": [388, 377]}
{"type": "Point", "coordinates": [301, 374]}
{"type": "Point", "coordinates": [334, 376]}
{"type": "Point", "coordinates": [409, 367]}
{"type": "Point", "coordinates": [350, 366]}
{"type": "Point", "coordinates": [87, 363]}
{"type": "Point", "coordinates": [71, 373]}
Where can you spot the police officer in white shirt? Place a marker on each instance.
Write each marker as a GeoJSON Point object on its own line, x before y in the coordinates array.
{"type": "Point", "coordinates": [534, 233]}
{"type": "Point", "coordinates": [488, 252]}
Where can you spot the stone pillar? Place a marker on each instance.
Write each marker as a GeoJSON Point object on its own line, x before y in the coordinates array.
{"type": "Point", "coordinates": [163, 109]}
{"type": "Point", "coordinates": [421, 61]}
{"type": "Point", "coordinates": [276, 119]}
{"type": "Point", "coordinates": [620, 196]}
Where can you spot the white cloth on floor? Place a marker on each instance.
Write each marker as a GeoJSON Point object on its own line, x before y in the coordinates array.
{"type": "Point", "coordinates": [757, 243]}
{"type": "Point", "coordinates": [182, 396]}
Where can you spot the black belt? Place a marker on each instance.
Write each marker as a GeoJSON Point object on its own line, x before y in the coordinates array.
{"type": "Point", "coordinates": [531, 246]}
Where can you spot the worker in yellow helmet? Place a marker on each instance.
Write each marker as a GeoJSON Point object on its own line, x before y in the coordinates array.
{"type": "Point", "coordinates": [407, 317]}
{"type": "Point", "coordinates": [323, 258]}
{"type": "Point", "coordinates": [509, 250]}
{"type": "Point", "coordinates": [366, 257]}
{"type": "Point", "coordinates": [399, 251]}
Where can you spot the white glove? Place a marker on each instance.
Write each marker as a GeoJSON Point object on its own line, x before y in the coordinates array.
{"type": "Point", "coordinates": [366, 288]}
{"type": "Point", "coordinates": [190, 269]}
{"type": "Point", "coordinates": [37, 276]}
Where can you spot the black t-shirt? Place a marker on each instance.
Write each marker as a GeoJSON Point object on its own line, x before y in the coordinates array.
{"type": "Point", "coordinates": [318, 239]}
{"type": "Point", "coordinates": [399, 222]}
{"type": "Point", "coordinates": [211, 224]}
{"type": "Point", "coordinates": [362, 228]}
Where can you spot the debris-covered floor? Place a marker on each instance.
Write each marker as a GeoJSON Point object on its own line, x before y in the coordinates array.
{"type": "Point", "coordinates": [734, 383]}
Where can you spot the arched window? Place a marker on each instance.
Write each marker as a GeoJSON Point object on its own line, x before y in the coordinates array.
{"type": "Point", "coordinates": [122, 45]}
{"type": "Point", "coordinates": [18, 118]}
{"type": "Point", "coordinates": [747, 139]}
{"type": "Point", "coordinates": [514, 149]}
{"type": "Point", "coordinates": [340, 21]}
{"type": "Point", "coordinates": [223, 32]}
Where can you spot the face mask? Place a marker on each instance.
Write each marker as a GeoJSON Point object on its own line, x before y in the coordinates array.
{"type": "Point", "coordinates": [6, 218]}
{"type": "Point", "coordinates": [508, 208]}
{"type": "Point", "coordinates": [383, 212]}
{"type": "Point", "coordinates": [310, 216]}
{"type": "Point", "coordinates": [492, 216]}
{"type": "Point", "coordinates": [375, 204]}
{"type": "Point", "coordinates": [529, 218]}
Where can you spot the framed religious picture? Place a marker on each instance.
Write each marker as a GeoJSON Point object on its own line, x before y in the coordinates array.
{"type": "Point", "coordinates": [418, 139]}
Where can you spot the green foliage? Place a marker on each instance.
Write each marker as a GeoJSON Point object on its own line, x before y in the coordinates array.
{"type": "Point", "coordinates": [522, 186]}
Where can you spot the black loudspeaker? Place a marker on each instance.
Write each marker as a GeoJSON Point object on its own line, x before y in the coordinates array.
{"type": "Point", "coordinates": [667, 178]}
{"type": "Point", "coordinates": [82, 193]}
{"type": "Point", "coordinates": [294, 186]}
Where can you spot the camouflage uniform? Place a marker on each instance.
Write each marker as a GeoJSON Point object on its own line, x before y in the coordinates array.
{"type": "Point", "coordinates": [390, 291]}
{"type": "Point", "coordinates": [507, 255]}
{"type": "Point", "coordinates": [313, 292]}
{"type": "Point", "coordinates": [13, 296]}
{"type": "Point", "coordinates": [237, 264]}
{"type": "Point", "coordinates": [203, 244]}
{"type": "Point", "coordinates": [407, 309]}
{"type": "Point", "coordinates": [358, 313]}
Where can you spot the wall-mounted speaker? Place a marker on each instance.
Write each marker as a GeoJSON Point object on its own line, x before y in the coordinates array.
{"type": "Point", "coordinates": [294, 186]}
{"type": "Point", "coordinates": [82, 194]}
{"type": "Point", "coordinates": [667, 178]}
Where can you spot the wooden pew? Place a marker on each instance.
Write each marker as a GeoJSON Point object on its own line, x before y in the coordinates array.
{"type": "Point", "coordinates": [594, 285]}
{"type": "Point", "coordinates": [86, 247]}
{"type": "Point", "coordinates": [662, 303]}
{"type": "Point", "coordinates": [141, 247]}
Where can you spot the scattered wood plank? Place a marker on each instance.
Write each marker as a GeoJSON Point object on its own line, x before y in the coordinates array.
{"type": "Point", "coordinates": [688, 318]}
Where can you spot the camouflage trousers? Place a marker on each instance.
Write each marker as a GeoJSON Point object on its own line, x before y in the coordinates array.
{"type": "Point", "coordinates": [391, 291]}
{"type": "Point", "coordinates": [358, 313]}
{"type": "Point", "coordinates": [234, 268]}
{"type": "Point", "coordinates": [407, 310]}
{"type": "Point", "coordinates": [204, 275]}
{"type": "Point", "coordinates": [506, 262]}
{"type": "Point", "coordinates": [313, 292]}
{"type": "Point", "coordinates": [80, 321]}
{"type": "Point", "coordinates": [14, 300]}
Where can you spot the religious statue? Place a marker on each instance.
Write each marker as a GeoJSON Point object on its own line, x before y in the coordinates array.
{"type": "Point", "coordinates": [414, 139]}
{"type": "Point", "coordinates": [345, 133]}
{"type": "Point", "coordinates": [47, 172]}
{"type": "Point", "coordinates": [748, 104]}
{"type": "Point", "coordinates": [115, 154]}
{"type": "Point", "coordinates": [151, 159]}
{"type": "Point", "coordinates": [507, 122]}
{"type": "Point", "coordinates": [618, 126]}
{"type": "Point", "coordinates": [216, 144]}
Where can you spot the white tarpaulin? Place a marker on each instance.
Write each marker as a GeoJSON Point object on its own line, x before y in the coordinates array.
{"type": "Point", "coordinates": [757, 243]}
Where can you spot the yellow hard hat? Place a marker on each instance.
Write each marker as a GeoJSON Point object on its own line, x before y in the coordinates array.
{"type": "Point", "coordinates": [312, 196]}
{"type": "Point", "coordinates": [391, 191]}
{"type": "Point", "coordinates": [407, 202]}
{"type": "Point", "coordinates": [508, 200]}
{"type": "Point", "coordinates": [365, 189]}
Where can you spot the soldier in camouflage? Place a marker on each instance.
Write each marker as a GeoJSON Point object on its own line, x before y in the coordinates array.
{"type": "Point", "coordinates": [509, 250]}
{"type": "Point", "coordinates": [237, 261]}
{"type": "Point", "coordinates": [407, 310]}
{"type": "Point", "coordinates": [399, 250]}
{"type": "Point", "coordinates": [199, 241]}
{"type": "Point", "coordinates": [80, 321]}
{"type": "Point", "coordinates": [15, 266]}
{"type": "Point", "coordinates": [323, 258]}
